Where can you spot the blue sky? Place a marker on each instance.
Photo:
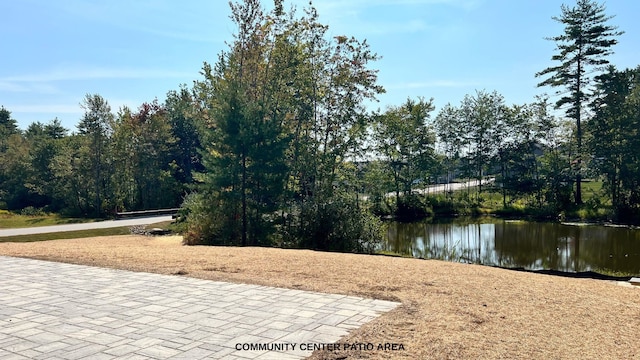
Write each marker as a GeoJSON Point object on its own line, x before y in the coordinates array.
{"type": "Point", "coordinates": [132, 51]}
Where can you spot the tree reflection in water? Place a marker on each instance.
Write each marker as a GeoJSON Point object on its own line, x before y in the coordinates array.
{"type": "Point", "coordinates": [533, 246]}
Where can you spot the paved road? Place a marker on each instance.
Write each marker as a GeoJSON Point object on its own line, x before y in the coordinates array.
{"type": "Point", "coordinates": [53, 310]}
{"type": "Point", "coordinates": [84, 226]}
{"type": "Point", "coordinates": [433, 189]}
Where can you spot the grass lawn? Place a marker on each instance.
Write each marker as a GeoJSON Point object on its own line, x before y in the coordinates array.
{"type": "Point", "coordinates": [124, 230]}
{"type": "Point", "coordinates": [591, 189]}
{"type": "Point", "coordinates": [11, 221]}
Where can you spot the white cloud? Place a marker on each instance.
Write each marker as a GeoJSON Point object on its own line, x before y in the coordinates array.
{"type": "Point", "coordinates": [21, 87]}
{"type": "Point", "coordinates": [8, 86]}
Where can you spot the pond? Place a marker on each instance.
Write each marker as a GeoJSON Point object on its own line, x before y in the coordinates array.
{"type": "Point", "coordinates": [519, 244]}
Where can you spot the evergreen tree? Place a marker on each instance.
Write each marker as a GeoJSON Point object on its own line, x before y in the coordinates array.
{"type": "Point", "coordinates": [280, 114]}
{"type": "Point", "coordinates": [44, 144]}
{"type": "Point", "coordinates": [583, 48]}
{"type": "Point", "coordinates": [96, 127]}
{"type": "Point", "coordinates": [182, 113]}
{"type": "Point", "coordinates": [8, 127]}
{"type": "Point", "coordinates": [245, 142]}
{"type": "Point", "coordinates": [615, 128]}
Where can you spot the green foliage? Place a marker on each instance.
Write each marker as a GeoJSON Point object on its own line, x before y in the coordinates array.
{"type": "Point", "coordinates": [44, 141]}
{"type": "Point", "coordinates": [377, 184]}
{"type": "Point", "coordinates": [411, 207]}
{"type": "Point", "coordinates": [247, 144]}
{"type": "Point", "coordinates": [381, 208]}
{"type": "Point", "coordinates": [454, 204]}
{"type": "Point", "coordinates": [282, 110]}
{"type": "Point", "coordinates": [471, 132]}
{"type": "Point", "coordinates": [278, 148]}
{"type": "Point", "coordinates": [182, 113]}
{"type": "Point", "coordinates": [335, 225]}
{"type": "Point", "coordinates": [583, 48]}
{"type": "Point", "coordinates": [14, 169]}
{"type": "Point", "coordinates": [405, 141]}
{"type": "Point", "coordinates": [614, 144]}
{"type": "Point", "coordinates": [74, 176]}
{"type": "Point", "coordinates": [31, 211]}
{"type": "Point", "coordinates": [143, 166]}
{"type": "Point", "coordinates": [207, 222]}
{"type": "Point", "coordinates": [8, 127]}
{"type": "Point", "coordinates": [95, 129]}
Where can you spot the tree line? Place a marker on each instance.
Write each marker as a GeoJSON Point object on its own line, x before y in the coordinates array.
{"type": "Point", "coordinates": [274, 144]}
{"type": "Point", "coordinates": [131, 160]}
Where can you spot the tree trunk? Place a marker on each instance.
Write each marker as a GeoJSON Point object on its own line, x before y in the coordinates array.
{"type": "Point", "coordinates": [579, 135]}
{"type": "Point", "coordinates": [244, 198]}
{"type": "Point", "coordinates": [503, 172]}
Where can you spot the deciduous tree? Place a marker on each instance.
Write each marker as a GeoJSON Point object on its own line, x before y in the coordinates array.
{"type": "Point", "coordinates": [405, 139]}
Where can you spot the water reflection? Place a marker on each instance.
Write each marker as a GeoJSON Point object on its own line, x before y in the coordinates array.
{"type": "Point", "coordinates": [533, 246]}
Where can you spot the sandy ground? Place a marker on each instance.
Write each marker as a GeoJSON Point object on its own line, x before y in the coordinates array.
{"type": "Point", "coordinates": [448, 311]}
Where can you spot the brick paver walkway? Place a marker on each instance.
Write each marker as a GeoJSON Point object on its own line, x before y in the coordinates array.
{"type": "Point", "coordinates": [53, 310]}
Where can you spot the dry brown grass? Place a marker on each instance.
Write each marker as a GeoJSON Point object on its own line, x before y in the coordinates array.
{"type": "Point", "coordinates": [449, 311]}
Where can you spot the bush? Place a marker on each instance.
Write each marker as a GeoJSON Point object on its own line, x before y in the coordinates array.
{"type": "Point", "coordinates": [381, 208]}
{"type": "Point", "coordinates": [206, 222]}
{"type": "Point", "coordinates": [411, 208]}
{"type": "Point", "coordinates": [336, 225]}
{"type": "Point", "coordinates": [32, 211]}
{"type": "Point", "coordinates": [451, 205]}
{"type": "Point", "coordinates": [217, 220]}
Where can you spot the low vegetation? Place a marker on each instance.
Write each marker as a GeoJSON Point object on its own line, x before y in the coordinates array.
{"type": "Point", "coordinates": [166, 226]}
{"type": "Point", "coordinates": [29, 217]}
{"type": "Point", "coordinates": [67, 235]}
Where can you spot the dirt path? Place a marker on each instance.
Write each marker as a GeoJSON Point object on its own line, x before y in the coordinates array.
{"type": "Point", "coordinates": [449, 311]}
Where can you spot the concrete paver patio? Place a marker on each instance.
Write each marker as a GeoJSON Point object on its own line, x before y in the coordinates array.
{"type": "Point", "coordinates": [53, 310]}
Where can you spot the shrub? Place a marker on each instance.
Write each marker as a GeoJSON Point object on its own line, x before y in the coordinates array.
{"type": "Point", "coordinates": [381, 208]}
{"type": "Point", "coordinates": [32, 211]}
{"type": "Point", "coordinates": [336, 225]}
{"type": "Point", "coordinates": [411, 207]}
{"type": "Point", "coordinates": [206, 223]}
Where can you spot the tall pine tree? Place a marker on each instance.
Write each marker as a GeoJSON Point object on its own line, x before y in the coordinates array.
{"type": "Point", "coordinates": [245, 144]}
{"type": "Point", "coordinates": [583, 48]}
{"type": "Point", "coordinates": [96, 127]}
